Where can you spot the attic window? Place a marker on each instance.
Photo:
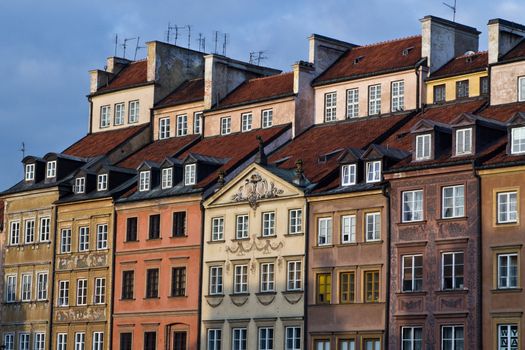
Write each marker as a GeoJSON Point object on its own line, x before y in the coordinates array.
{"type": "Point", "coordinates": [167, 178]}
{"type": "Point", "coordinates": [30, 172]}
{"type": "Point", "coordinates": [518, 140]}
{"type": "Point", "coordinates": [144, 181]}
{"type": "Point", "coordinates": [463, 141]}
{"type": "Point", "coordinates": [327, 156]}
{"type": "Point", "coordinates": [80, 185]}
{"type": "Point", "coordinates": [358, 59]}
{"type": "Point", "coordinates": [373, 171]}
{"type": "Point", "coordinates": [51, 169]}
{"type": "Point", "coordinates": [423, 143]}
{"type": "Point", "coordinates": [407, 50]}
{"type": "Point", "coordinates": [190, 174]}
{"type": "Point", "coordinates": [102, 182]}
{"type": "Point", "coordinates": [348, 175]}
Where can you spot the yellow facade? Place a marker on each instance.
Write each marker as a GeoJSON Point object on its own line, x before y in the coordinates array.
{"type": "Point", "coordinates": [450, 85]}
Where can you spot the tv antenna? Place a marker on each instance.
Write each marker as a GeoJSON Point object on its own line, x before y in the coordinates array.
{"type": "Point", "coordinates": [256, 57]}
{"type": "Point", "coordinates": [189, 35]}
{"type": "Point", "coordinates": [116, 45]}
{"type": "Point", "coordinates": [125, 45]}
{"type": "Point", "coordinates": [453, 8]}
{"type": "Point", "coordinates": [137, 48]}
{"type": "Point", "coordinates": [23, 150]}
{"type": "Point", "coordinates": [202, 43]}
{"type": "Point", "coordinates": [215, 40]}
{"type": "Point", "coordinates": [225, 42]}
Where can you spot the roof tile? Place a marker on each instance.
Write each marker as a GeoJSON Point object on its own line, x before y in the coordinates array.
{"type": "Point", "coordinates": [133, 74]}
{"type": "Point", "coordinates": [462, 65]}
{"type": "Point", "coordinates": [188, 91]}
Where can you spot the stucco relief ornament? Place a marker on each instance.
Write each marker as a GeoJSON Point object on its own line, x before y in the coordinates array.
{"type": "Point", "coordinates": [265, 247]}
{"type": "Point", "coordinates": [254, 189]}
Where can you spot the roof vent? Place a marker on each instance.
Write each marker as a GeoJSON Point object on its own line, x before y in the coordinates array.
{"type": "Point", "coordinates": [407, 50]}
{"type": "Point", "coordinates": [469, 53]}
{"type": "Point", "coordinates": [358, 59]}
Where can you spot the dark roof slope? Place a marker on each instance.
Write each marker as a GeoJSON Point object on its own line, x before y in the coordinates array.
{"type": "Point", "coordinates": [135, 73]}
{"type": "Point", "coordinates": [101, 143]}
{"type": "Point", "coordinates": [516, 53]}
{"type": "Point", "coordinates": [374, 59]}
{"type": "Point", "coordinates": [188, 91]}
{"type": "Point", "coordinates": [468, 63]}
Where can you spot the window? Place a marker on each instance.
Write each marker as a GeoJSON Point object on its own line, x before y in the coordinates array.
{"type": "Point", "coordinates": [518, 140]}
{"type": "Point", "coordinates": [346, 344]}
{"type": "Point", "coordinates": [217, 232]}
{"type": "Point", "coordinates": [322, 344]}
{"type": "Point", "coordinates": [412, 206]}
{"type": "Point", "coordinates": [179, 224]}
{"type": "Point", "coordinates": [462, 89]}
{"type": "Point", "coordinates": [507, 207]}
{"type": "Point", "coordinates": [268, 224]}
{"type": "Point", "coordinates": [453, 201]}
{"type": "Point", "coordinates": [154, 226]}
{"type": "Point", "coordinates": [324, 288]}
{"type": "Point", "coordinates": [352, 103]}
{"type": "Point", "coordinates": [439, 93]}
{"type": "Point", "coordinates": [423, 145]}
{"type": "Point", "coordinates": [40, 341]}
{"type": "Point", "coordinates": [226, 125]}
{"type": "Point", "coordinates": [102, 236]}
{"type": "Point", "coordinates": [463, 141]}
{"type": "Point", "coordinates": [100, 291]}
{"type": "Point", "coordinates": [265, 338]}
{"type": "Point", "coordinates": [371, 344]}
{"type": "Point", "coordinates": [197, 123]}
{"type": "Point", "coordinates": [45, 224]}
{"type": "Point", "coordinates": [104, 116]}
{"type": "Point", "coordinates": [23, 341]}
{"type": "Point", "coordinates": [294, 276]}
{"type": "Point", "coordinates": [373, 226]}
{"type": "Point", "coordinates": [10, 289]}
{"type": "Point", "coordinates": [29, 231]}
{"type": "Point", "coordinates": [246, 122]}
{"type": "Point", "coordinates": [239, 338]}
{"type": "Point", "coordinates": [152, 283]}
{"type": "Point", "coordinates": [178, 281]}
{"type": "Point", "coordinates": [214, 339]}
{"type": "Point", "coordinates": [83, 239]}
{"type": "Point", "coordinates": [65, 241]}
{"type": "Point", "coordinates": [374, 99]}
{"type": "Point", "coordinates": [508, 337]}
{"type": "Point", "coordinates": [128, 278]}
{"type": "Point", "coordinates": [63, 293]}
{"type": "Point", "coordinates": [348, 174]}
{"type": "Point", "coordinates": [29, 172]}
{"type": "Point", "coordinates": [62, 341]}
{"type": "Point", "coordinates": [27, 286]}
{"type": "Point", "coordinates": [507, 271]}
{"type": "Point", "coordinates": [144, 181]}
{"type": "Point", "coordinates": [9, 341]}
{"type": "Point", "coordinates": [240, 279]}
{"type": "Point", "coordinates": [373, 171]}
{"type": "Point", "coordinates": [14, 233]}
{"type": "Point", "coordinates": [41, 287]}
{"type": "Point", "coordinates": [182, 125]}
{"type": "Point", "coordinates": [82, 292]}
{"type": "Point", "coordinates": [452, 270]}
{"type": "Point", "coordinates": [133, 113]}
{"type": "Point", "coordinates": [51, 169]}
{"type": "Point", "coordinates": [131, 229]}
{"type": "Point", "coordinates": [126, 341]}
{"type": "Point", "coordinates": [347, 287]}
{"type": "Point", "coordinates": [119, 113]}
{"type": "Point", "coordinates": [267, 118]}
{"type": "Point", "coordinates": [167, 178]}
{"type": "Point", "coordinates": [179, 340]}
{"type": "Point", "coordinates": [80, 185]}
{"type": "Point", "coordinates": [102, 182]}
{"type": "Point", "coordinates": [371, 286]}
{"type": "Point", "coordinates": [521, 89]}
{"type": "Point", "coordinates": [452, 338]}
{"type": "Point", "coordinates": [398, 96]}
{"type": "Point", "coordinates": [98, 340]}
{"type": "Point", "coordinates": [295, 221]}
{"type": "Point", "coordinates": [267, 277]}
{"type": "Point", "coordinates": [293, 338]}
{"type": "Point", "coordinates": [484, 85]}
{"type": "Point", "coordinates": [190, 174]}
{"type": "Point", "coordinates": [330, 109]}
{"type": "Point", "coordinates": [80, 341]}
{"type": "Point", "coordinates": [412, 273]}
{"type": "Point", "coordinates": [348, 228]}
{"type": "Point", "coordinates": [215, 280]}
{"type": "Point", "coordinates": [324, 236]}
{"type": "Point", "coordinates": [411, 338]}
{"type": "Point", "coordinates": [241, 227]}
{"type": "Point", "coordinates": [150, 340]}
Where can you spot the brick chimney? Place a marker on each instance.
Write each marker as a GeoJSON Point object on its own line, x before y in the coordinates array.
{"type": "Point", "coordinates": [503, 36]}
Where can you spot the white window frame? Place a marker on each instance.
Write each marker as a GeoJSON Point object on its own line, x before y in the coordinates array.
{"type": "Point", "coordinates": [295, 338]}
{"type": "Point", "coordinates": [330, 106]}
{"type": "Point", "coordinates": [62, 341]}
{"type": "Point", "coordinates": [11, 286]}
{"type": "Point", "coordinates": [80, 185]}
{"type": "Point", "coordinates": [82, 286]}
{"type": "Point", "coordinates": [29, 172]}
{"type": "Point", "coordinates": [412, 206]}
{"type": "Point", "coordinates": [105, 120]}
{"type": "Point", "coordinates": [83, 239]}
{"type": "Point", "coordinates": [144, 180]}
{"type": "Point", "coordinates": [197, 123]}
{"type": "Point", "coordinates": [42, 282]}
{"type": "Point", "coordinates": [267, 282]}
{"type": "Point", "coordinates": [505, 281]}
{"type": "Point", "coordinates": [374, 99]}
{"type": "Point", "coordinates": [518, 140]}
{"type": "Point", "coordinates": [268, 224]}
{"type": "Point", "coordinates": [99, 296]}
{"type": "Point", "coordinates": [24, 340]}
{"type": "Point", "coordinates": [26, 287]}
{"type": "Point", "coordinates": [98, 340]}
{"type": "Point", "coordinates": [216, 280]}
{"type": "Point", "coordinates": [65, 241]}
{"type": "Point", "coordinates": [266, 118]}
{"type": "Point", "coordinates": [217, 229]}
{"type": "Point", "coordinates": [40, 341]}
{"type": "Point", "coordinates": [352, 103]}
{"type": "Point", "coordinates": [190, 174]}
{"type": "Point", "coordinates": [373, 226]}
{"type": "Point", "coordinates": [164, 128]}
{"type": "Point", "coordinates": [214, 339]}
{"type": "Point", "coordinates": [423, 147]}
{"type": "Point", "coordinates": [521, 89]}
{"type": "Point", "coordinates": [324, 231]}
{"type": "Point", "coordinates": [102, 236]}
{"type": "Point", "coordinates": [29, 231]}
{"type": "Point", "coordinates": [51, 169]}
{"type": "Point", "coordinates": [167, 178]}
{"type": "Point", "coordinates": [182, 125]}
{"type": "Point", "coordinates": [454, 265]}
{"type": "Point", "coordinates": [118, 114]}
{"type": "Point", "coordinates": [411, 339]}
{"type": "Point", "coordinates": [295, 221]}
{"type": "Point", "coordinates": [294, 279]}
{"type": "Point", "coordinates": [398, 95]}
{"type": "Point", "coordinates": [463, 141]}
{"type": "Point", "coordinates": [511, 206]}
{"type": "Point", "coordinates": [133, 111]}
{"type": "Point", "coordinates": [63, 293]}
{"type": "Point", "coordinates": [242, 226]}
{"type": "Point", "coordinates": [412, 268]}
{"type": "Point", "coordinates": [9, 341]}
{"type": "Point", "coordinates": [246, 122]}
{"type": "Point", "coordinates": [508, 327]}
{"type": "Point", "coordinates": [348, 229]}
{"type": "Point", "coordinates": [265, 338]}
{"type": "Point", "coordinates": [239, 338]}
{"type": "Point", "coordinates": [102, 182]}
{"type": "Point", "coordinates": [348, 174]}
{"type": "Point", "coordinates": [240, 279]}
{"type": "Point", "coordinates": [373, 171]}
{"type": "Point", "coordinates": [80, 341]}
{"type": "Point", "coordinates": [226, 125]}
{"type": "Point", "coordinates": [453, 339]}
{"type": "Point", "coordinates": [44, 229]}
{"type": "Point", "coordinates": [458, 206]}
{"type": "Point", "coordinates": [14, 233]}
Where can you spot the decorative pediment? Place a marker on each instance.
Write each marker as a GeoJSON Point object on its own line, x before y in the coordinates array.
{"type": "Point", "coordinates": [351, 155]}
{"type": "Point", "coordinates": [517, 119]}
{"type": "Point", "coordinates": [464, 119]}
{"type": "Point", "coordinates": [256, 188]}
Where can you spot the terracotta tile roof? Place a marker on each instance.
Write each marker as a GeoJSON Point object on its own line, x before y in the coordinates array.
{"type": "Point", "coordinates": [373, 59]}
{"type": "Point", "coordinates": [259, 89]}
{"type": "Point", "coordinates": [188, 91]}
{"type": "Point", "coordinates": [503, 112]}
{"type": "Point", "coordinates": [101, 143]}
{"type": "Point", "coordinates": [158, 150]}
{"type": "Point", "coordinates": [515, 53]}
{"type": "Point", "coordinates": [134, 74]}
{"type": "Point", "coordinates": [463, 65]}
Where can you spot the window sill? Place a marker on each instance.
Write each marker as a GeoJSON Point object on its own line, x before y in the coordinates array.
{"type": "Point", "coordinates": [127, 299]}
{"type": "Point", "coordinates": [266, 237]}
{"type": "Point", "coordinates": [154, 239]}
{"type": "Point", "coordinates": [455, 218]}
{"type": "Point", "coordinates": [177, 297]}
{"type": "Point", "coordinates": [412, 223]}
{"type": "Point", "coordinates": [292, 292]}
{"type": "Point", "coordinates": [452, 291]}
{"type": "Point", "coordinates": [240, 239]}
{"type": "Point", "coordinates": [239, 294]}
{"type": "Point", "coordinates": [266, 293]}
{"type": "Point", "coordinates": [324, 246]}
{"type": "Point", "coordinates": [294, 234]}
{"type": "Point", "coordinates": [349, 244]}
{"type": "Point", "coordinates": [216, 242]}
{"type": "Point", "coordinates": [178, 236]}
{"type": "Point", "coordinates": [151, 298]}
{"type": "Point", "coordinates": [132, 241]}
{"type": "Point", "coordinates": [413, 293]}
{"type": "Point", "coordinates": [214, 296]}
{"type": "Point", "coordinates": [380, 241]}
{"type": "Point", "coordinates": [506, 290]}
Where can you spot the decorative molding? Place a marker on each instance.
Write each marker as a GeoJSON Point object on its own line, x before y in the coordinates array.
{"type": "Point", "coordinates": [265, 246]}
{"type": "Point", "coordinates": [239, 300]}
{"type": "Point", "coordinates": [254, 189]}
{"type": "Point", "coordinates": [214, 300]}
{"type": "Point", "coordinates": [265, 298]}
{"type": "Point", "coordinates": [81, 314]}
{"type": "Point", "coordinates": [293, 297]}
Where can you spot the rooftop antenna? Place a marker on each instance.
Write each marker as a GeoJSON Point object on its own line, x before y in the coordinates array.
{"type": "Point", "coordinates": [215, 40]}
{"type": "Point", "coordinates": [125, 44]}
{"type": "Point", "coordinates": [137, 48]}
{"type": "Point", "coordinates": [189, 35]}
{"type": "Point", "coordinates": [23, 150]}
{"type": "Point", "coordinates": [202, 43]}
{"type": "Point", "coordinates": [116, 45]}
{"type": "Point", "coordinates": [225, 43]}
{"type": "Point", "coordinates": [257, 56]}
{"type": "Point", "coordinates": [453, 8]}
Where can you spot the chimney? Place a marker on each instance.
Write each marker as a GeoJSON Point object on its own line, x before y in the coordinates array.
{"type": "Point", "coordinates": [303, 74]}
{"type": "Point", "coordinates": [261, 158]}
{"type": "Point", "coordinates": [97, 79]}
{"type": "Point", "coordinates": [324, 51]}
{"type": "Point", "coordinates": [442, 40]}
{"type": "Point", "coordinates": [503, 36]}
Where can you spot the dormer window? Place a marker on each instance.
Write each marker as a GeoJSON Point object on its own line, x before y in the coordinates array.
{"type": "Point", "coordinates": [51, 169]}
{"type": "Point", "coordinates": [102, 182]}
{"type": "Point", "coordinates": [521, 89]}
{"type": "Point", "coordinates": [348, 175]}
{"type": "Point", "coordinates": [189, 174]}
{"type": "Point", "coordinates": [144, 180]}
{"type": "Point", "coordinates": [373, 171]}
{"type": "Point", "coordinates": [463, 141]}
{"type": "Point", "coordinates": [518, 140]}
{"type": "Point", "coordinates": [423, 143]}
{"type": "Point", "coordinates": [30, 172]}
{"type": "Point", "coordinates": [167, 178]}
{"type": "Point", "coordinates": [80, 185]}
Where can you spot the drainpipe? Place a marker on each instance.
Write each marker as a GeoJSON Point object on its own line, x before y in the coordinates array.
{"type": "Point", "coordinates": [51, 281]}
{"type": "Point", "coordinates": [386, 192]}
{"type": "Point", "coordinates": [113, 258]}
{"type": "Point", "coordinates": [480, 260]}
{"type": "Point", "coordinates": [199, 309]}
{"type": "Point", "coordinates": [418, 93]}
{"type": "Point", "coordinates": [90, 126]}
{"type": "Point", "coordinates": [306, 267]}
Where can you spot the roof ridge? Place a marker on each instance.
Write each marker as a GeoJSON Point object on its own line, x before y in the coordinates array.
{"type": "Point", "coordinates": [478, 53]}
{"type": "Point", "coordinates": [271, 76]}
{"type": "Point", "coordinates": [387, 42]}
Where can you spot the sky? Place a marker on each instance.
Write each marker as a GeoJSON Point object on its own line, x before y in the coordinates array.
{"type": "Point", "coordinates": [48, 47]}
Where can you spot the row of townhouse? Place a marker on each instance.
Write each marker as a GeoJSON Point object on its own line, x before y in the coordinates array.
{"type": "Point", "coordinates": [368, 199]}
